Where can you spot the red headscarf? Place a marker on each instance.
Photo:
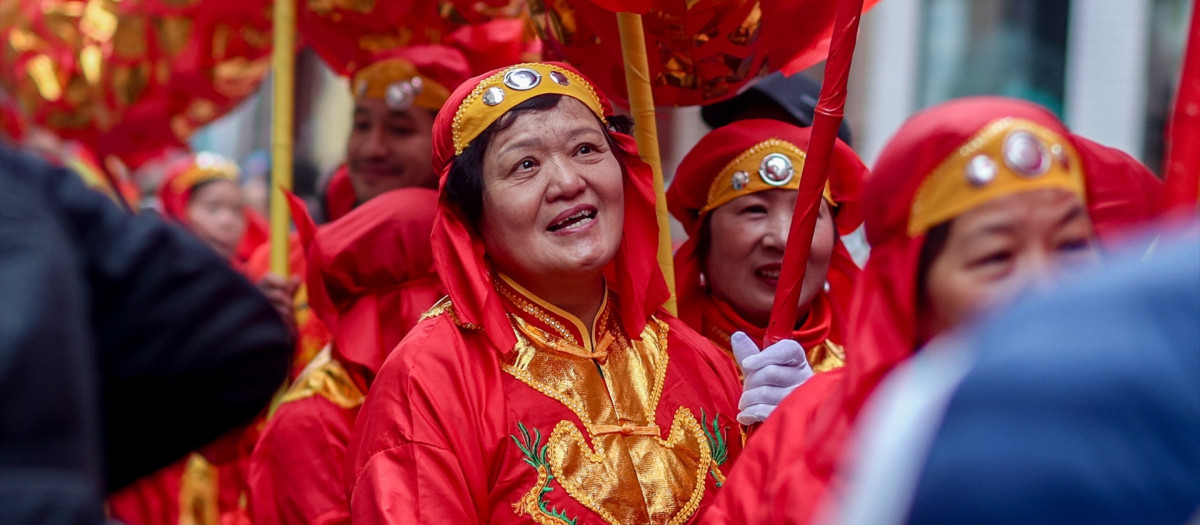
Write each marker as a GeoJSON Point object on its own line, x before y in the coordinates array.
{"type": "Point", "coordinates": [375, 260]}
{"type": "Point", "coordinates": [459, 255]}
{"type": "Point", "coordinates": [1123, 194]}
{"type": "Point", "coordinates": [689, 195]}
{"type": "Point", "coordinates": [182, 177]}
{"type": "Point", "coordinates": [884, 310]}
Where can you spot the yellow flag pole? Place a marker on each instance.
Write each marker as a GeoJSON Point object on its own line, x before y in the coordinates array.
{"type": "Point", "coordinates": [283, 70]}
{"type": "Point", "coordinates": [645, 131]}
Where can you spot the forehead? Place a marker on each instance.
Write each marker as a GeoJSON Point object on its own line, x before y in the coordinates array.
{"type": "Point", "coordinates": [569, 115]}
{"type": "Point", "coordinates": [377, 107]}
{"type": "Point", "coordinates": [1041, 207]}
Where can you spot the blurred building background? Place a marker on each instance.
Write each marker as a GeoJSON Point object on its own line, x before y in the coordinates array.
{"type": "Point", "coordinates": [1108, 67]}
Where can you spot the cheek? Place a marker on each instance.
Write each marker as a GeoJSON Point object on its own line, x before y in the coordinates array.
{"type": "Point", "coordinates": [953, 294]}
{"type": "Point", "coordinates": [732, 241]}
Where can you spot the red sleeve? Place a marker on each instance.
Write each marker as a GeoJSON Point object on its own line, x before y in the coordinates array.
{"type": "Point", "coordinates": [420, 442]}
{"type": "Point", "coordinates": [297, 471]}
{"type": "Point", "coordinates": [748, 493]}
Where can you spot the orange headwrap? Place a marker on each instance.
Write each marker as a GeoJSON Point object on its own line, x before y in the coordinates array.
{"type": "Point", "coordinates": [458, 251]}
{"type": "Point", "coordinates": [420, 76]}
{"type": "Point", "coordinates": [726, 164]}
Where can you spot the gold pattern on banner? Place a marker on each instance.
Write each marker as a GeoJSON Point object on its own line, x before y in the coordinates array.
{"type": "Point", "coordinates": [238, 77]}
{"type": "Point", "coordinates": [129, 41]}
{"type": "Point", "coordinates": [174, 34]}
{"type": "Point", "coordinates": [98, 23]}
{"type": "Point", "coordinates": [618, 465]}
{"type": "Point", "coordinates": [326, 7]}
{"type": "Point", "coordinates": [90, 63]}
{"type": "Point", "coordinates": [41, 72]}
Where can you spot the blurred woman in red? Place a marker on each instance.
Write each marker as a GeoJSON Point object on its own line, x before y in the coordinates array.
{"type": "Point", "coordinates": [735, 193]}
{"type": "Point", "coordinates": [970, 202]}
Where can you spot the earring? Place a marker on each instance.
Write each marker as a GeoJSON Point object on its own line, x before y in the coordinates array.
{"type": "Point", "coordinates": [703, 281]}
{"type": "Point", "coordinates": [826, 286]}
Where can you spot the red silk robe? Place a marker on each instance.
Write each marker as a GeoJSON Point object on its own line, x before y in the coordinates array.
{"type": "Point", "coordinates": [571, 424]}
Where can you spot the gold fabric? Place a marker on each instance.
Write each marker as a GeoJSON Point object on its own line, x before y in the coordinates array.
{"type": "Point", "coordinates": [326, 377]}
{"type": "Point", "coordinates": [947, 193]}
{"type": "Point", "coordinates": [473, 115]}
{"type": "Point", "coordinates": [722, 190]}
{"type": "Point", "coordinates": [618, 465]}
{"type": "Point", "coordinates": [198, 496]}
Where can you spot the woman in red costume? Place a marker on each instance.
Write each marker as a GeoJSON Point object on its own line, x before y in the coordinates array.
{"type": "Point", "coordinates": [735, 193]}
{"type": "Point", "coordinates": [550, 386]}
{"type": "Point", "coordinates": [970, 202]}
{"type": "Point", "coordinates": [371, 277]}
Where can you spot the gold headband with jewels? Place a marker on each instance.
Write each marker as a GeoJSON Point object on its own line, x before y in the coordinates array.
{"type": "Point", "coordinates": [400, 85]}
{"type": "Point", "coordinates": [497, 94]}
{"type": "Point", "coordinates": [207, 166]}
{"type": "Point", "coordinates": [1008, 156]}
{"type": "Point", "coordinates": [772, 164]}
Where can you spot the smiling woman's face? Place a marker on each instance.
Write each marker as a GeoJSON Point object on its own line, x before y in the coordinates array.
{"type": "Point", "coordinates": [553, 200]}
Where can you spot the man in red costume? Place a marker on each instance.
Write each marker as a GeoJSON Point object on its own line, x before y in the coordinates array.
{"type": "Point", "coordinates": [396, 98]}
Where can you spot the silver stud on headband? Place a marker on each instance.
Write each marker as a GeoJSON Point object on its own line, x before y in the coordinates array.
{"type": "Point", "coordinates": [493, 96]}
{"type": "Point", "coordinates": [981, 170]}
{"type": "Point", "coordinates": [1060, 154]}
{"type": "Point", "coordinates": [559, 78]}
{"type": "Point", "coordinates": [401, 95]}
{"type": "Point", "coordinates": [522, 79]}
{"type": "Point", "coordinates": [740, 180]}
{"type": "Point", "coordinates": [1025, 154]}
{"type": "Point", "coordinates": [776, 169]}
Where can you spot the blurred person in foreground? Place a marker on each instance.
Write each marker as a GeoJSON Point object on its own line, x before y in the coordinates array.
{"type": "Point", "coordinates": [1080, 406]}
{"type": "Point", "coordinates": [126, 344]}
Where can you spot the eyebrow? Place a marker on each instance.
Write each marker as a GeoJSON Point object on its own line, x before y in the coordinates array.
{"type": "Point", "coordinates": [1074, 213]}
{"type": "Point", "coordinates": [572, 135]}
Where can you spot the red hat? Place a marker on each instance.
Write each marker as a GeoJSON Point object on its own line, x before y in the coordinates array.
{"type": "Point", "coordinates": [1122, 193]}
{"type": "Point", "coordinates": [458, 251]}
{"type": "Point", "coordinates": [185, 174]}
{"type": "Point", "coordinates": [375, 260]}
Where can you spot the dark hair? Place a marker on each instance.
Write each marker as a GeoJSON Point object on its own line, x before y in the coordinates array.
{"type": "Point", "coordinates": [935, 242]}
{"type": "Point", "coordinates": [464, 187]}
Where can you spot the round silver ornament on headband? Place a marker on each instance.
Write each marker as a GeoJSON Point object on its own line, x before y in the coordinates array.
{"type": "Point", "coordinates": [1060, 154]}
{"type": "Point", "coordinates": [559, 78]}
{"type": "Point", "coordinates": [522, 79]}
{"type": "Point", "coordinates": [493, 96]}
{"type": "Point", "coordinates": [776, 169]}
{"type": "Point", "coordinates": [981, 170]}
{"type": "Point", "coordinates": [740, 180]}
{"type": "Point", "coordinates": [401, 95]}
{"type": "Point", "coordinates": [1025, 154]}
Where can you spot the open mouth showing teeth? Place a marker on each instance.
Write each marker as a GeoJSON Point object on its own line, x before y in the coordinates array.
{"type": "Point", "coordinates": [578, 219]}
{"type": "Point", "coordinates": [768, 274]}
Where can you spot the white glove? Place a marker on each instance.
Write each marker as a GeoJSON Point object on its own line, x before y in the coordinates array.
{"type": "Point", "coordinates": [769, 375]}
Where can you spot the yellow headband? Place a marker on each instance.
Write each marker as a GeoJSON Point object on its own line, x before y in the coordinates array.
{"type": "Point", "coordinates": [1008, 156]}
{"type": "Point", "coordinates": [398, 83]}
{"type": "Point", "coordinates": [206, 167]}
{"type": "Point", "coordinates": [772, 164]}
{"type": "Point", "coordinates": [497, 94]}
